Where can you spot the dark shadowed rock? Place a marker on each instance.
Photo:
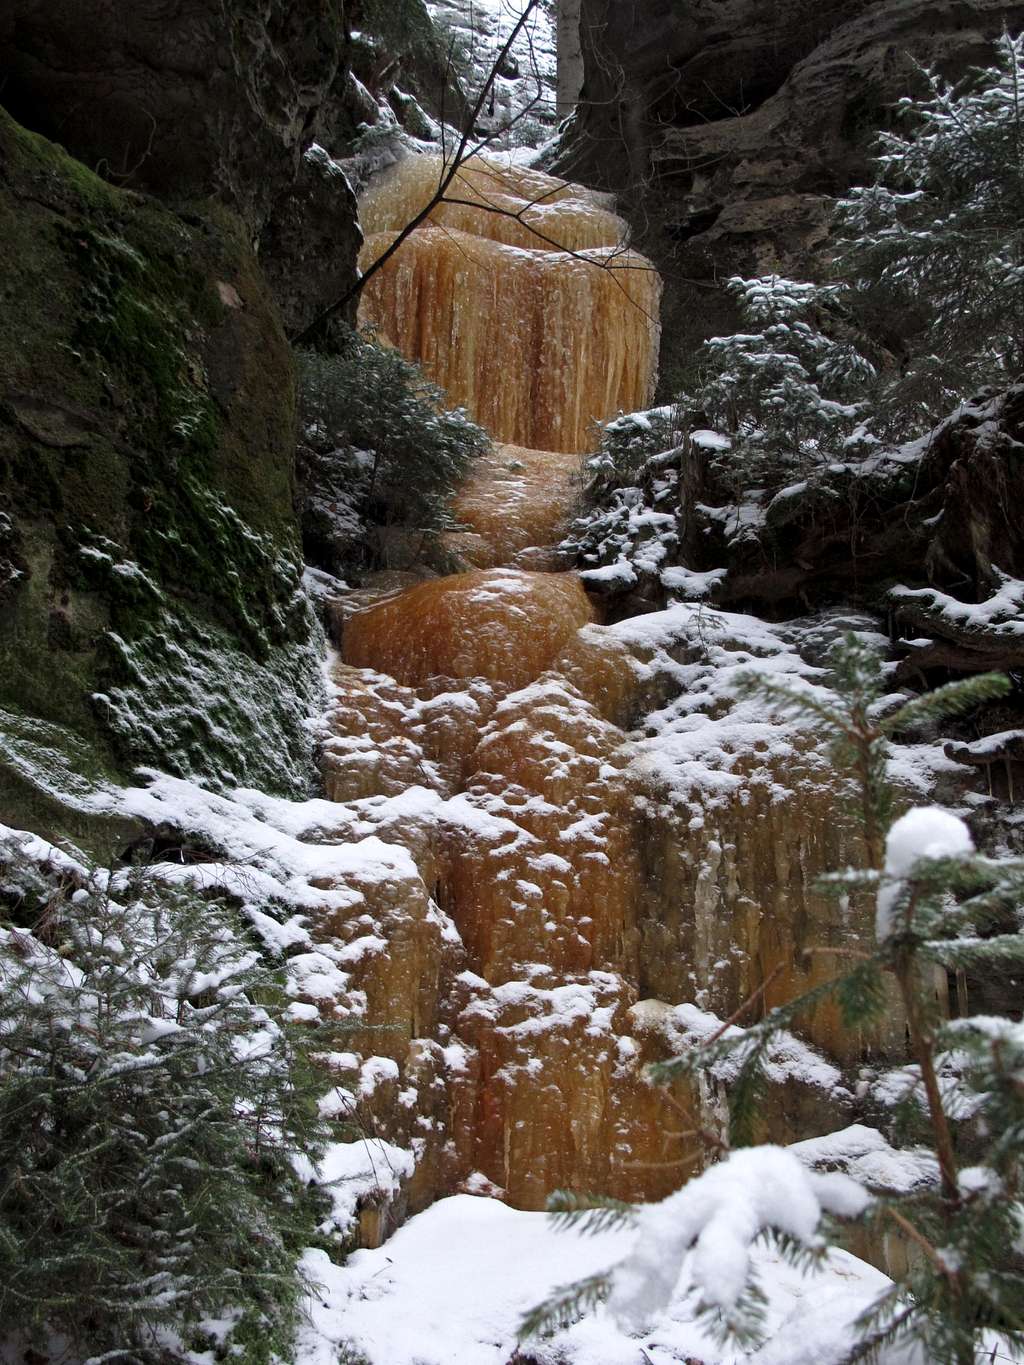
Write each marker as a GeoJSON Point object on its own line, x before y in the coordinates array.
{"type": "Point", "coordinates": [939, 512]}
{"type": "Point", "coordinates": [727, 126]}
{"type": "Point", "coordinates": [936, 514]}
{"type": "Point", "coordinates": [181, 97]}
{"type": "Point", "coordinates": [191, 98]}
{"type": "Point", "coordinates": [309, 247]}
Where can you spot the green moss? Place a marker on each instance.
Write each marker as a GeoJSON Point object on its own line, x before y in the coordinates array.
{"type": "Point", "coordinates": [185, 698]}
{"type": "Point", "coordinates": [31, 156]}
{"type": "Point", "coordinates": [135, 316]}
{"type": "Point", "coordinates": [47, 639]}
{"type": "Point", "coordinates": [192, 539]}
{"type": "Point", "coordinates": [53, 781]}
{"type": "Point", "coordinates": [146, 443]}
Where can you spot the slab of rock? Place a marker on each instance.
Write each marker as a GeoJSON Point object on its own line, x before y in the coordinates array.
{"type": "Point", "coordinates": [189, 98]}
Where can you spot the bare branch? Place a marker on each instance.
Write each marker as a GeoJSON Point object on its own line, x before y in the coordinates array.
{"type": "Point", "coordinates": [461, 154]}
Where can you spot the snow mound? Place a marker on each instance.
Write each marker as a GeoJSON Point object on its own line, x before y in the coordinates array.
{"type": "Point", "coordinates": [924, 832]}
{"type": "Point", "coordinates": [451, 1287]}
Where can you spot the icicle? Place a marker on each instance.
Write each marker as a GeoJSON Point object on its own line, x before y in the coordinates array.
{"type": "Point", "coordinates": [537, 345]}
{"type": "Point", "coordinates": [507, 204]}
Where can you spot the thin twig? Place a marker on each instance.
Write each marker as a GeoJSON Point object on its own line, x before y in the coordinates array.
{"type": "Point", "coordinates": [447, 176]}
{"type": "Point", "coordinates": [741, 1010]}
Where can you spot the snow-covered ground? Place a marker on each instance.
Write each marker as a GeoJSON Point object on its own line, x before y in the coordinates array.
{"type": "Point", "coordinates": [452, 1286]}
{"type": "Point", "coordinates": [526, 90]}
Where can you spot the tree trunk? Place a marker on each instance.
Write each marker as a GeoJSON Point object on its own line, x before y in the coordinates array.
{"type": "Point", "coordinates": [570, 57]}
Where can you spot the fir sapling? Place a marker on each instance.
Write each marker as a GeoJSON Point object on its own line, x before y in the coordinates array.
{"type": "Point", "coordinates": [791, 386]}
{"type": "Point", "coordinates": [153, 1094]}
{"type": "Point", "coordinates": [378, 449]}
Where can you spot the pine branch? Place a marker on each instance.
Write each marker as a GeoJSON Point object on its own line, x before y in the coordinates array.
{"type": "Point", "coordinates": [565, 1306]}
{"type": "Point", "coordinates": [789, 699]}
{"type": "Point", "coordinates": [954, 699]}
{"type": "Point", "coordinates": [1004, 950]}
{"type": "Point", "coordinates": [861, 994]}
{"type": "Point", "coordinates": [868, 1350]}
{"type": "Point", "coordinates": [590, 1214]}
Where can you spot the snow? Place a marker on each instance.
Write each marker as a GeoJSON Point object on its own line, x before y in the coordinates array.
{"type": "Point", "coordinates": [452, 1286]}
{"type": "Point", "coordinates": [864, 1154]}
{"type": "Point", "coordinates": [689, 583]}
{"type": "Point", "coordinates": [482, 26]}
{"type": "Point", "coordinates": [924, 832]}
{"type": "Point", "coordinates": [1001, 614]}
{"type": "Point", "coordinates": [718, 1215]}
{"type": "Point", "coordinates": [706, 744]}
{"type": "Point", "coordinates": [710, 440]}
{"type": "Point", "coordinates": [621, 574]}
{"type": "Point", "coordinates": [352, 1173]}
{"type": "Point", "coordinates": [321, 587]}
{"type": "Point", "coordinates": [687, 1028]}
{"type": "Point", "coordinates": [407, 1304]}
{"type": "Point", "coordinates": [993, 746]}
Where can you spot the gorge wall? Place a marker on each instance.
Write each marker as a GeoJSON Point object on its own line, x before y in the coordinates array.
{"type": "Point", "coordinates": [727, 126]}
{"type": "Point", "coordinates": [554, 849]}
{"type": "Point", "coordinates": [146, 436]}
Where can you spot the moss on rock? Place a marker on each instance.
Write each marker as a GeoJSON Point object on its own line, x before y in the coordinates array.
{"type": "Point", "coordinates": [150, 599]}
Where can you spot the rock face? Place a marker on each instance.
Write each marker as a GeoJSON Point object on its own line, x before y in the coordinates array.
{"type": "Point", "coordinates": [182, 99]}
{"type": "Point", "coordinates": [934, 512]}
{"type": "Point", "coordinates": [192, 99]}
{"type": "Point", "coordinates": [726, 125]}
{"type": "Point", "coordinates": [150, 602]}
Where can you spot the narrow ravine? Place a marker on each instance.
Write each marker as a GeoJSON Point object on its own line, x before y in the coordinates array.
{"type": "Point", "coordinates": [510, 989]}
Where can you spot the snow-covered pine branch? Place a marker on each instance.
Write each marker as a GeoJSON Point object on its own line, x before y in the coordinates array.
{"type": "Point", "coordinates": [939, 235]}
{"type": "Point", "coordinates": [792, 384]}
{"type": "Point", "coordinates": [703, 1235]}
{"type": "Point", "coordinates": [152, 1103]}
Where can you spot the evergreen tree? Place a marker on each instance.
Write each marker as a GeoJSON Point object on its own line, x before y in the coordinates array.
{"type": "Point", "coordinates": [939, 904]}
{"type": "Point", "coordinates": [377, 448]}
{"type": "Point", "coordinates": [939, 236]}
{"type": "Point", "coordinates": [791, 388]}
{"type": "Point", "coordinates": [151, 1099]}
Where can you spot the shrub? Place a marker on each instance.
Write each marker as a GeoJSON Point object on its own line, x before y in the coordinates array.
{"type": "Point", "coordinates": [377, 451]}
{"type": "Point", "coordinates": [791, 388]}
{"type": "Point", "coordinates": [938, 235]}
{"type": "Point", "coordinates": [150, 1105]}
